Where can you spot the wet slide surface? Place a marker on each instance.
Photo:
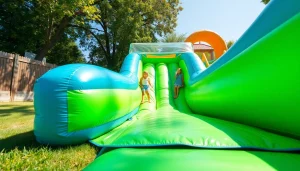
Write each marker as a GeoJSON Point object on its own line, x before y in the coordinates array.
{"type": "Point", "coordinates": [169, 122]}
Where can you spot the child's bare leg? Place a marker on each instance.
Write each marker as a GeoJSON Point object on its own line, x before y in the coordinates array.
{"type": "Point", "coordinates": [143, 93]}
{"type": "Point", "coordinates": [177, 91]}
{"type": "Point", "coordinates": [148, 95]}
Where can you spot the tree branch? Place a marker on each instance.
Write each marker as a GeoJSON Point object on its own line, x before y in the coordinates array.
{"type": "Point", "coordinates": [114, 46]}
{"type": "Point", "coordinates": [94, 35]}
{"type": "Point", "coordinates": [91, 28]}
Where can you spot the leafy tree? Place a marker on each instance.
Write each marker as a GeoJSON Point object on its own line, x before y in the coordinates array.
{"type": "Point", "coordinates": [56, 15]}
{"type": "Point", "coordinates": [65, 52]}
{"type": "Point", "coordinates": [265, 1]}
{"type": "Point", "coordinates": [104, 27]}
{"type": "Point", "coordinates": [123, 22]}
{"type": "Point", "coordinates": [18, 26]}
{"type": "Point", "coordinates": [230, 43]}
{"type": "Point", "coordinates": [173, 37]}
{"type": "Point", "coordinates": [37, 25]}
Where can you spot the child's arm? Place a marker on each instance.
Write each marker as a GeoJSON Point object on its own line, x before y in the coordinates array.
{"type": "Point", "coordinates": [182, 79]}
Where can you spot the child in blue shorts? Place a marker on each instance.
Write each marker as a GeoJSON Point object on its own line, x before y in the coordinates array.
{"type": "Point", "coordinates": [145, 83]}
{"type": "Point", "coordinates": [178, 82]}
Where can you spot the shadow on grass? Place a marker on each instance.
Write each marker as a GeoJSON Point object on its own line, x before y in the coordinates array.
{"type": "Point", "coordinates": [27, 140]}
{"type": "Point", "coordinates": [19, 141]}
{"type": "Point", "coordinates": [10, 110]}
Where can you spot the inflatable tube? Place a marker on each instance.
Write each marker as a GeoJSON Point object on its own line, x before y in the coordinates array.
{"type": "Point", "coordinates": [66, 100]}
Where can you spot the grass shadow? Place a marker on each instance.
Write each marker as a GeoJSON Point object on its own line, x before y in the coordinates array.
{"type": "Point", "coordinates": [27, 140]}
{"type": "Point", "coordinates": [8, 110]}
{"type": "Point", "coordinates": [20, 141]}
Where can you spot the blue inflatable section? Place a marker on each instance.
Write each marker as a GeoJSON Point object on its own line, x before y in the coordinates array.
{"type": "Point", "coordinates": [51, 99]}
{"type": "Point", "coordinates": [194, 65]}
{"type": "Point", "coordinates": [93, 77]}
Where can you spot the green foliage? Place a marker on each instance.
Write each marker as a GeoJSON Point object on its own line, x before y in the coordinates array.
{"type": "Point", "coordinates": [37, 25]}
{"type": "Point", "coordinates": [20, 151]}
{"type": "Point", "coordinates": [127, 21]}
{"type": "Point", "coordinates": [56, 17]}
{"type": "Point", "coordinates": [265, 1]}
{"type": "Point", "coordinates": [19, 30]}
{"type": "Point", "coordinates": [65, 52]}
{"type": "Point", "coordinates": [230, 43]}
{"type": "Point", "coordinates": [173, 37]}
{"type": "Point", "coordinates": [106, 28]}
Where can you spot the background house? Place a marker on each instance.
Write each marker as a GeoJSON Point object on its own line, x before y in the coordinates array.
{"type": "Point", "coordinates": [200, 48]}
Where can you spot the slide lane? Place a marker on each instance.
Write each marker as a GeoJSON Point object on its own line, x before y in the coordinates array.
{"type": "Point", "coordinates": [163, 93]}
{"type": "Point", "coordinates": [146, 107]}
{"type": "Point", "coordinates": [180, 102]}
{"type": "Point", "coordinates": [165, 88]}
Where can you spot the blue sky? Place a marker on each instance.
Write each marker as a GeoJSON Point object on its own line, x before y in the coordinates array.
{"type": "Point", "coordinates": [229, 18]}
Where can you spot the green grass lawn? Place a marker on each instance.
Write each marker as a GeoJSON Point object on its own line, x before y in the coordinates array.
{"type": "Point", "coordinates": [20, 151]}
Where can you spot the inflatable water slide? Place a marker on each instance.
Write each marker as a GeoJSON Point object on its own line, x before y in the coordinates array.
{"type": "Point", "coordinates": [240, 113]}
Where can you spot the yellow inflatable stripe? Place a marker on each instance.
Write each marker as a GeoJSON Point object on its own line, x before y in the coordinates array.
{"type": "Point", "coordinates": [161, 56]}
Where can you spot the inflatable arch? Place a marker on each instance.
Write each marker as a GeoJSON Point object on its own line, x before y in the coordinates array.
{"type": "Point", "coordinates": [211, 38]}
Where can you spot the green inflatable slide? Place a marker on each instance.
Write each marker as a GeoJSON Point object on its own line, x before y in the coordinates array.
{"type": "Point", "coordinates": [241, 113]}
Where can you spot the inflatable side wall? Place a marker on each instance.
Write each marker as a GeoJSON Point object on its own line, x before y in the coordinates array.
{"type": "Point", "coordinates": [77, 102]}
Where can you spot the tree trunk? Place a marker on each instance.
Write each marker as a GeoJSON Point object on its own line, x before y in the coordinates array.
{"type": "Point", "coordinates": [54, 39]}
{"type": "Point", "coordinates": [110, 62]}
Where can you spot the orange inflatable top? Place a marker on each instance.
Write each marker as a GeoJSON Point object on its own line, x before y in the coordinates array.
{"type": "Point", "coordinates": [211, 38]}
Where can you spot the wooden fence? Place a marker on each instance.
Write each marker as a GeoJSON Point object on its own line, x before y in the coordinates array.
{"type": "Point", "coordinates": [18, 75]}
